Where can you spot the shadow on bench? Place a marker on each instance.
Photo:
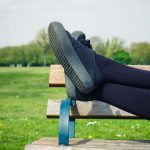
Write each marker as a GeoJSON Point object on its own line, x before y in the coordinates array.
{"type": "Point", "coordinates": [68, 111]}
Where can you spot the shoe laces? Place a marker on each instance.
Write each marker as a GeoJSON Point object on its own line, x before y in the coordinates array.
{"type": "Point", "coordinates": [86, 42]}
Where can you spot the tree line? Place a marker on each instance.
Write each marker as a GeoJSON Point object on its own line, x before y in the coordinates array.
{"type": "Point", "coordinates": [35, 53]}
{"type": "Point", "coordinates": [136, 53]}
{"type": "Point", "coordinates": [39, 52]}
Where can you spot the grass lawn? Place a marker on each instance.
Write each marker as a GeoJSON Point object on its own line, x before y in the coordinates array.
{"type": "Point", "coordinates": [23, 99]}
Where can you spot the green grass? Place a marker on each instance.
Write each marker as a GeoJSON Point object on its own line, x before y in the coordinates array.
{"type": "Point", "coordinates": [23, 102]}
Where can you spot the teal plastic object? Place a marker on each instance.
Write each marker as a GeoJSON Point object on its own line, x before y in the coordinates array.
{"type": "Point", "coordinates": [66, 124]}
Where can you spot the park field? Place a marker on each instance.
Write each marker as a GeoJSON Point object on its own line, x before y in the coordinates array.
{"type": "Point", "coordinates": [23, 98]}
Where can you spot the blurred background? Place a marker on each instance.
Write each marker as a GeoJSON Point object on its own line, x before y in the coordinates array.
{"type": "Point", "coordinates": [118, 29]}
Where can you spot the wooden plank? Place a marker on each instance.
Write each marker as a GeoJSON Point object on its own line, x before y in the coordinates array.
{"type": "Point", "coordinates": [56, 78]}
{"type": "Point", "coordinates": [142, 67]}
{"type": "Point", "coordinates": [94, 110]}
{"type": "Point", "coordinates": [87, 144]}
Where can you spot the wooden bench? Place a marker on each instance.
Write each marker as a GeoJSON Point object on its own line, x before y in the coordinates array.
{"type": "Point", "coordinates": [68, 110]}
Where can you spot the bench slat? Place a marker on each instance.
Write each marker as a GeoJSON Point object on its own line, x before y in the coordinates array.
{"type": "Point", "coordinates": [57, 79]}
{"type": "Point", "coordinates": [88, 144]}
{"type": "Point", "coordinates": [93, 110]}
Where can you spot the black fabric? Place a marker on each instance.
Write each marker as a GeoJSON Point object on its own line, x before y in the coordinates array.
{"type": "Point", "coordinates": [125, 87]}
{"type": "Point", "coordinates": [87, 57]}
{"type": "Point", "coordinates": [131, 99]}
{"type": "Point", "coordinates": [122, 74]}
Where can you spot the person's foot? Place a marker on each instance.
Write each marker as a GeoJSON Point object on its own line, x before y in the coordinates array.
{"type": "Point", "coordinates": [72, 91]}
{"type": "Point", "coordinates": [80, 37]}
{"type": "Point", "coordinates": [77, 59]}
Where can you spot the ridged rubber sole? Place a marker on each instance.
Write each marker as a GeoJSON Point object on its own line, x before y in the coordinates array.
{"type": "Point", "coordinates": [68, 58]}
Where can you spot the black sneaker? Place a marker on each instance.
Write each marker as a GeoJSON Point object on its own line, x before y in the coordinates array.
{"type": "Point", "coordinates": [80, 37]}
{"type": "Point", "coordinates": [77, 59]}
{"type": "Point", "coordinates": [72, 91]}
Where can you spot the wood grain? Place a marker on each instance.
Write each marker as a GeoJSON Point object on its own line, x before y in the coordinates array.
{"type": "Point", "coordinates": [89, 109]}
{"type": "Point", "coordinates": [57, 79]}
{"type": "Point", "coordinates": [87, 144]}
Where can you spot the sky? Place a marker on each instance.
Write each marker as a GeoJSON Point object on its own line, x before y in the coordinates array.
{"type": "Point", "coordinates": [20, 20]}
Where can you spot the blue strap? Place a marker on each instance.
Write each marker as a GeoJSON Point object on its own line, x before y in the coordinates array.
{"type": "Point", "coordinates": [72, 122]}
{"type": "Point", "coordinates": [66, 125]}
{"type": "Point", "coordinates": [72, 128]}
{"type": "Point", "coordinates": [64, 122]}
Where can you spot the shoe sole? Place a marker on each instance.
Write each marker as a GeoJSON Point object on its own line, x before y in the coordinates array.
{"type": "Point", "coordinates": [67, 56]}
{"type": "Point", "coordinates": [71, 91]}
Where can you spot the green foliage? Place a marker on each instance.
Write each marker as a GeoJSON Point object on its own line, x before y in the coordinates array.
{"type": "Point", "coordinates": [42, 40]}
{"type": "Point", "coordinates": [113, 45]}
{"type": "Point", "coordinates": [15, 55]}
{"type": "Point", "coordinates": [108, 47]}
{"type": "Point", "coordinates": [39, 53]}
{"type": "Point", "coordinates": [35, 53]}
{"type": "Point", "coordinates": [140, 53]}
{"type": "Point", "coordinates": [122, 57]}
{"type": "Point", "coordinates": [98, 45]}
{"type": "Point", "coordinates": [113, 49]}
{"type": "Point", "coordinates": [23, 101]}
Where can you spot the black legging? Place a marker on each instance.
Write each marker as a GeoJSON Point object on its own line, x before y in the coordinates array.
{"type": "Point", "coordinates": [126, 87]}
{"type": "Point", "coordinates": [122, 74]}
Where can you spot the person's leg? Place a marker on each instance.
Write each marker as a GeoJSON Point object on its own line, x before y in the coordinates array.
{"type": "Point", "coordinates": [115, 72]}
{"type": "Point", "coordinates": [131, 99]}
{"type": "Point", "coordinates": [122, 74]}
{"type": "Point", "coordinates": [86, 70]}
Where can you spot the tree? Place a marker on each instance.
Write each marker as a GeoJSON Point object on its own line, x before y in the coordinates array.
{"type": "Point", "coordinates": [35, 53]}
{"type": "Point", "coordinates": [109, 47]}
{"type": "Point", "coordinates": [98, 45]}
{"type": "Point", "coordinates": [122, 57]}
{"type": "Point", "coordinates": [113, 45]}
{"type": "Point", "coordinates": [140, 53]}
{"type": "Point", "coordinates": [42, 40]}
